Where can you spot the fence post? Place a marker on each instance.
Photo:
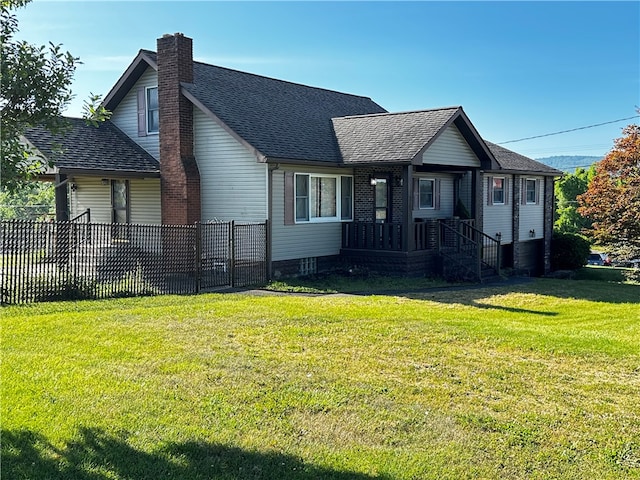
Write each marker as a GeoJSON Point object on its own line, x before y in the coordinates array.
{"type": "Point", "coordinates": [498, 259]}
{"type": "Point", "coordinates": [267, 235]}
{"type": "Point", "coordinates": [232, 253]}
{"type": "Point", "coordinates": [198, 265]}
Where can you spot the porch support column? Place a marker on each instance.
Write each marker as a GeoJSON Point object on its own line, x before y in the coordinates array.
{"type": "Point", "coordinates": [477, 198]}
{"type": "Point", "coordinates": [407, 220]}
{"type": "Point", "coordinates": [62, 200]}
{"type": "Point", "coordinates": [515, 201]}
{"type": "Point", "coordinates": [548, 221]}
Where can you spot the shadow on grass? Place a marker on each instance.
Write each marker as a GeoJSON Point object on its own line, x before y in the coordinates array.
{"type": "Point", "coordinates": [96, 455]}
{"type": "Point", "coordinates": [475, 295]}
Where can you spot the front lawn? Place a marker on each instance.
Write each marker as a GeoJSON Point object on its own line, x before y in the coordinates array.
{"type": "Point", "coordinates": [540, 380]}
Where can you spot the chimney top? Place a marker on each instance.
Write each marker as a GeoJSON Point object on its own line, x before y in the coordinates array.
{"type": "Point", "coordinates": [177, 34]}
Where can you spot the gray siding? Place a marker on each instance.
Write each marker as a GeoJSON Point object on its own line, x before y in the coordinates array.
{"type": "Point", "coordinates": [144, 200]}
{"type": "Point", "coordinates": [125, 116]}
{"type": "Point", "coordinates": [532, 216]}
{"type": "Point", "coordinates": [498, 218]}
{"type": "Point", "coordinates": [91, 194]}
{"type": "Point", "coordinates": [446, 198]}
{"type": "Point", "coordinates": [302, 240]}
{"type": "Point", "coordinates": [450, 148]}
{"type": "Point", "coordinates": [233, 185]}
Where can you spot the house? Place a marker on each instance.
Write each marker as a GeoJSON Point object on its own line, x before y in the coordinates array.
{"type": "Point", "coordinates": [340, 179]}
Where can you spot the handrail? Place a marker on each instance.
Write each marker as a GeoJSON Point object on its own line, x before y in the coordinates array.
{"type": "Point", "coordinates": [473, 250]}
{"type": "Point", "coordinates": [86, 214]}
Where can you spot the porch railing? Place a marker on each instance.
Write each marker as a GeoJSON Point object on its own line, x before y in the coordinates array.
{"type": "Point", "coordinates": [422, 235]}
{"type": "Point", "coordinates": [373, 236]}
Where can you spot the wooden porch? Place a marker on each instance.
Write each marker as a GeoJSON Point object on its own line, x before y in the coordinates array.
{"type": "Point", "coordinates": [453, 248]}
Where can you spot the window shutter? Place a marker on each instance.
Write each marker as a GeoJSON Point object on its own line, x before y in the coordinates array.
{"type": "Point", "coordinates": [489, 190]}
{"type": "Point", "coordinates": [142, 112]}
{"type": "Point", "coordinates": [436, 194]}
{"type": "Point", "coordinates": [523, 191]}
{"type": "Point", "coordinates": [289, 199]}
{"type": "Point", "coordinates": [506, 190]}
{"type": "Point", "coordinates": [416, 193]}
{"type": "Point", "coordinates": [537, 191]}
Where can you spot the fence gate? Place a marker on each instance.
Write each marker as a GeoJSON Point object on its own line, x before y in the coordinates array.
{"type": "Point", "coordinates": [249, 254]}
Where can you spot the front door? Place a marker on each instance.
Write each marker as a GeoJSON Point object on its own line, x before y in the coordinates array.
{"type": "Point", "coordinates": [381, 200]}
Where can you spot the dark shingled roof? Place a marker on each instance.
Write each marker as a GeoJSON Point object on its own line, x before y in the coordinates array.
{"type": "Point", "coordinates": [85, 147]}
{"type": "Point", "coordinates": [509, 160]}
{"type": "Point", "coordinates": [282, 120]}
{"type": "Point", "coordinates": [391, 137]}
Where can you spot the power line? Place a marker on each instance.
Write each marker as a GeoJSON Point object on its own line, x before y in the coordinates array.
{"type": "Point", "coordinates": [567, 131]}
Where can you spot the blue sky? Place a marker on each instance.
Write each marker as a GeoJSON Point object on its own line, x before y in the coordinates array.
{"type": "Point", "coordinates": [519, 69]}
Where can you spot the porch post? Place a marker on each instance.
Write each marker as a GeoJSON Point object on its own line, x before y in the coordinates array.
{"type": "Point", "coordinates": [477, 196]}
{"type": "Point", "coordinates": [408, 240]}
{"type": "Point", "coordinates": [515, 233]}
{"type": "Point", "coordinates": [62, 200]}
{"type": "Point", "coordinates": [548, 221]}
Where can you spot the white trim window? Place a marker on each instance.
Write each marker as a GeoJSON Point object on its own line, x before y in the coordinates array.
{"type": "Point", "coordinates": [531, 191]}
{"type": "Point", "coordinates": [498, 190]}
{"type": "Point", "coordinates": [427, 193]}
{"type": "Point", "coordinates": [153, 110]}
{"type": "Point", "coordinates": [323, 198]}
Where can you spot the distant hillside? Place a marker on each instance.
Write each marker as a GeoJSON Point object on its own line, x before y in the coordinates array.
{"type": "Point", "coordinates": [568, 163]}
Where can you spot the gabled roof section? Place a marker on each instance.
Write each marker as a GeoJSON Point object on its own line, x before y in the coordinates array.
{"type": "Point", "coordinates": [510, 160]}
{"type": "Point", "coordinates": [402, 137]}
{"type": "Point", "coordinates": [281, 120]}
{"type": "Point", "coordinates": [85, 148]}
{"type": "Point", "coordinates": [143, 60]}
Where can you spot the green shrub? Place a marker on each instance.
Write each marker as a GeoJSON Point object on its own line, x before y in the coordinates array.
{"type": "Point", "coordinates": [631, 275]}
{"type": "Point", "coordinates": [569, 251]}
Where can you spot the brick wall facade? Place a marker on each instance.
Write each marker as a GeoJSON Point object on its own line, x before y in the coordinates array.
{"type": "Point", "coordinates": [179, 175]}
{"type": "Point", "coordinates": [364, 192]}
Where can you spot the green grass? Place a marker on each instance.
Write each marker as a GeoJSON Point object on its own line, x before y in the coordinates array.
{"type": "Point", "coordinates": [353, 284]}
{"type": "Point", "coordinates": [541, 380]}
{"type": "Point", "coordinates": [602, 274]}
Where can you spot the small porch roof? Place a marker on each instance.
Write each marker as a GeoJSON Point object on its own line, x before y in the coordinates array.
{"type": "Point", "coordinates": [402, 138]}
{"type": "Point", "coordinates": [102, 150]}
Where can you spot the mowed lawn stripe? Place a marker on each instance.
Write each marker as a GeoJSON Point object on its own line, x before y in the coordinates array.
{"type": "Point", "coordinates": [539, 382]}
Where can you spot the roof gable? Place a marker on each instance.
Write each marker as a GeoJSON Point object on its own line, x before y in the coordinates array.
{"type": "Point", "coordinates": [134, 71]}
{"type": "Point", "coordinates": [402, 137]}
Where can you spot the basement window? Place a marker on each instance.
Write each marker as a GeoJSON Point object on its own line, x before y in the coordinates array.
{"type": "Point", "coordinates": [308, 266]}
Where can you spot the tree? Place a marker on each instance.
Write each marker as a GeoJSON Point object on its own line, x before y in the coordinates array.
{"type": "Point", "coordinates": [567, 190]}
{"type": "Point", "coordinates": [35, 83]}
{"type": "Point", "coordinates": [33, 201]}
{"type": "Point", "coordinates": [35, 89]}
{"type": "Point", "coordinates": [612, 200]}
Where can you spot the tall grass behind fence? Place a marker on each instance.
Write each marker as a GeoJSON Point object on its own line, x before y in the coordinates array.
{"type": "Point", "coordinates": [43, 261]}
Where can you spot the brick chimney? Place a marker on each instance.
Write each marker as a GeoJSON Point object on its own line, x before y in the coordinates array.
{"type": "Point", "coordinates": [179, 175]}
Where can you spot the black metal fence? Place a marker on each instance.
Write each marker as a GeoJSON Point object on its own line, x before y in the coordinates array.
{"type": "Point", "coordinates": [42, 261]}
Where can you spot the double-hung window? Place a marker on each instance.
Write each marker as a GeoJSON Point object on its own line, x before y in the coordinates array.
{"type": "Point", "coordinates": [498, 189]}
{"type": "Point", "coordinates": [153, 110]}
{"type": "Point", "coordinates": [531, 191]}
{"type": "Point", "coordinates": [323, 198]}
{"type": "Point", "coordinates": [427, 193]}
